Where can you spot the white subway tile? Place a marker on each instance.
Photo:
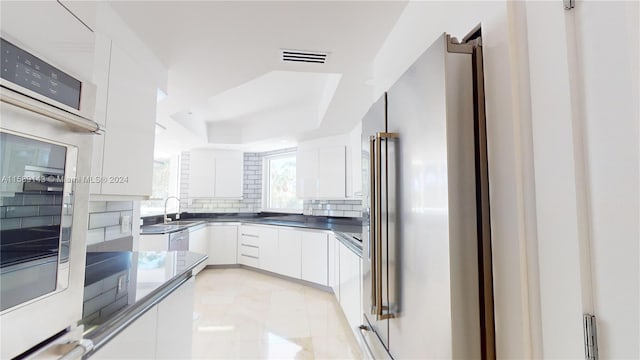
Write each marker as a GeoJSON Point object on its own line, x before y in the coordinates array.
{"type": "Point", "coordinates": [103, 219]}
{"type": "Point", "coordinates": [335, 213]}
{"type": "Point", "coordinates": [95, 236]}
{"type": "Point", "coordinates": [352, 214]}
{"type": "Point", "coordinates": [114, 232]}
{"type": "Point", "coordinates": [97, 206]}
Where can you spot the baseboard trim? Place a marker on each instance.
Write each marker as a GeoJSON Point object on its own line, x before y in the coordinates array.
{"type": "Point", "coordinates": [279, 276]}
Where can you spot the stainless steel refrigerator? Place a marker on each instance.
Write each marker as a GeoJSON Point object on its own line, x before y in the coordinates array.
{"type": "Point", "coordinates": [427, 288]}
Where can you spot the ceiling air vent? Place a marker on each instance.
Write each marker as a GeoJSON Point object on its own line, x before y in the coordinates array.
{"type": "Point", "coordinates": [303, 56]}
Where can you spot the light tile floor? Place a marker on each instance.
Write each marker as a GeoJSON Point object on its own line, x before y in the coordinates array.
{"type": "Point", "coordinates": [243, 314]}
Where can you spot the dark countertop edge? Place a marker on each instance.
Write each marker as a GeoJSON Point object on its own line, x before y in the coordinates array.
{"type": "Point", "coordinates": [103, 333]}
{"type": "Point", "coordinates": [349, 243]}
{"type": "Point", "coordinates": [256, 221]}
{"type": "Point", "coordinates": [340, 235]}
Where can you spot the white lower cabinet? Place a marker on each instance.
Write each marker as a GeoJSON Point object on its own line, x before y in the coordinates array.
{"type": "Point", "coordinates": [314, 257]}
{"type": "Point", "coordinates": [300, 254]}
{"type": "Point", "coordinates": [199, 243]}
{"type": "Point", "coordinates": [268, 246]}
{"type": "Point", "coordinates": [350, 279]}
{"type": "Point", "coordinates": [289, 253]}
{"type": "Point", "coordinates": [249, 240]}
{"type": "Point", "coordinates": [175, 321]}
{"type": "Point", "coordinates": [138, 341]}
{"type": "Point", "coordinates": [163, 332]}
{"type": "Point", "coordinates": [223, 245]}
{"type": "Point", "coordinates": [334, 266]}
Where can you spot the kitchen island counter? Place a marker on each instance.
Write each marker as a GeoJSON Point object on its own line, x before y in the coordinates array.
{"type": "Point", "coordinates": [121, 286]}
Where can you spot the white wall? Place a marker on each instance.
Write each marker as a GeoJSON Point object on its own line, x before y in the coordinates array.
{"type": "Point", "coordinates": [557, 147]}
{"type": "Point", "coordinates": [607, 46]}
{"type": "Point", "coordinates": [508, 142]}
{"type": "Point", "coordinates": [584, 94]}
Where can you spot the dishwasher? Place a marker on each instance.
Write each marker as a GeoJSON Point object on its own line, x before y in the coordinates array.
{"type": "Point", "coordinates": [179, 240]}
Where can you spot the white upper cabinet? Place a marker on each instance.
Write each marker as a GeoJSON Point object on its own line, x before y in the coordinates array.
{"type": "Point", "coordinates": [321, 168]}
{"type": "Point", "coordinates": [331, 170]}
{"type": "Point", "coordinates": [306, 173]}
{"type": "Point", "coordinates": [127, 145]}
{"type": "Point", "coordinates": [202, 173]}
{"type": "Point", "coordinates": [354, 162]}
{"type": "Point", "coordinates": [228, 177]}
{"type": "Point", "coordinates": [215, 174]}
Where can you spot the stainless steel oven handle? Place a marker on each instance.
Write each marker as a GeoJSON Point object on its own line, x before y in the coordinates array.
{"type": "Point", "coordinates": [14, 98]}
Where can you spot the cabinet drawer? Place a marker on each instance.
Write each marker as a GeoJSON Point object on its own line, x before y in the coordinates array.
{"type": "Point", "coordinates": [249, 230]}
{"type": "Point", "coordinates": [249, 250]}
{"type": "Point", "coordinates": [248, 260]}
{"type": "Point", "coordinates": [248, 239]}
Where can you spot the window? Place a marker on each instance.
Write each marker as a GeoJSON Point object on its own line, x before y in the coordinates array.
{"type": "Point", "coordinates": [280, 183]}
{"type": "Point", "coordinates": [165, 184]}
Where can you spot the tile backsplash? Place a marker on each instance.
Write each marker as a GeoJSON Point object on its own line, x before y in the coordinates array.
{"type": "Point", "coordinates": [251, 201]}
{"type": "Point", "coordinates": [251, 193]}
{"type": "Point", "coordinates": [105, 221]}
{"type": "Point", "coordinates": [341, 208]}
{"type": "Point", "coordinates": [23, 210]}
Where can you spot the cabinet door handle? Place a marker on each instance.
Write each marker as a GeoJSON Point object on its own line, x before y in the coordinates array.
{"type": "Point", "coordinates": [250, 235]}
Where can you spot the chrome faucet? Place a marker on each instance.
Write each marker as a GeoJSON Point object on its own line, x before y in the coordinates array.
{"type": "Point", "coordinates": [166, 218]}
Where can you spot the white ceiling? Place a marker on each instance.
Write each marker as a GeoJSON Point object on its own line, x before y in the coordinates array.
{"type": "Point", "coordinates": [224, 66]}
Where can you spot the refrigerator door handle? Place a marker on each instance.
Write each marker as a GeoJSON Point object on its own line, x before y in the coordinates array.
{"type": "Point", "coordinates": [382, 311]}
{"type": "Point", "coordinates": [373, 218]}
{"type": "Point", "coordinates": [378, 227]}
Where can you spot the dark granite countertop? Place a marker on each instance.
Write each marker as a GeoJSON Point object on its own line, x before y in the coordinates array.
{"type": "Point", "coordinates": [121, 286]}
{"type": "Point", "coordinates": [343, 225]}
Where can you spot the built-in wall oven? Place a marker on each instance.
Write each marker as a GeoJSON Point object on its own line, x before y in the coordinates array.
{"type": "Point", "coordinates": [45, 162]}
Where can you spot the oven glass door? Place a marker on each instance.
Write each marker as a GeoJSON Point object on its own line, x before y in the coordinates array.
{"type": "Point", "coordinates": [36, 184]}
